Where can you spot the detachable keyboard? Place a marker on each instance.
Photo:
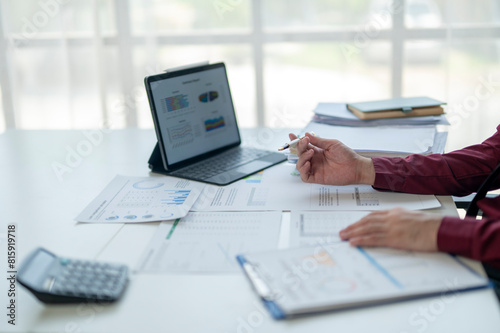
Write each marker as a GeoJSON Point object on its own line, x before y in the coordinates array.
{"type": "Point", "coordinates": [221, 163]}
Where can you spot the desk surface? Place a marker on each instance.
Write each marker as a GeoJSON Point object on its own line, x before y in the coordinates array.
{"type": "Point", "coordinates": [48, 178]}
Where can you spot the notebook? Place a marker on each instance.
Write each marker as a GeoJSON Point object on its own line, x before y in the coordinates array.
{"type": "Point", "coordinates": [397, 107]}
{"type": "Point", "coordinates": [196, 127]}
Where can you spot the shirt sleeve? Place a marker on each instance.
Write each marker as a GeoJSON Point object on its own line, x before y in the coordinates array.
{"type": "Point", "coordinates": [471, 238]}
{"type": "Point", "coordinates": [458, 173]}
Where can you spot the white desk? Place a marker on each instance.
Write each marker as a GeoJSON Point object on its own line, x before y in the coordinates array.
{"type": "Point", "coordinates": [43, 207]}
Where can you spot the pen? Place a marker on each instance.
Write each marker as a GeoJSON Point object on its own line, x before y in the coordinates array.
{"type": "Point", "coordinates": [292, 143]}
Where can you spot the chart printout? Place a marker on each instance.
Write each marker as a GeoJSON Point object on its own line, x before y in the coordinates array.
{"type": "Point", "coordinates": [142, 199]}
{"type": "Point", "coordinates": [209, 242]}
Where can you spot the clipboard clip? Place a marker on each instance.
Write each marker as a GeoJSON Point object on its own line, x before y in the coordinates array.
{"type": "Point", "coordinates": [260, 286]}
{"type": "Point", "coordinates": [406, 109]}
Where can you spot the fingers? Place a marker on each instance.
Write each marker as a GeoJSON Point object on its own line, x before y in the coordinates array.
{"type": "Point", "coordinates": [305, 172]}
{"type": "Point", "coordinates": [397, 228]}
{"type": "Point", "coordinates": [366, 226]}
{"type": "Point", "coordinates": [303, 146]}
{"type": "Point", "coordinates": [370, 240]}
{"type": "Point", "coordinates": [319, 142]}
{"type": "Point", "coordinates": [370, 231]}
{"type": "Point", "coordinates": [292, 136]}
{"type": "Point", "coordinates": [304, 157]}
{"type": "Point", "coordinates": [374, 217]}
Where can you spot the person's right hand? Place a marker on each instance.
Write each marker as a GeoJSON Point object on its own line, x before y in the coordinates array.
{"type": "Point", "coordinates": [330, 162]}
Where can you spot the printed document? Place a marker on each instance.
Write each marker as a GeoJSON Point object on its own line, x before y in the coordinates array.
{"type": "Point", "coordinates": [280, 188]}
{"type": "Point", "coordinates": [313, 228]}
{"type": "Point", "coordinates": [209, 242]}
{"type": "Point", "coordinates": [142, 199]}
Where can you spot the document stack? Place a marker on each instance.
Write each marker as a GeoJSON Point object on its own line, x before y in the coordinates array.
{"type": "Point", "coordinates": [397, 136]}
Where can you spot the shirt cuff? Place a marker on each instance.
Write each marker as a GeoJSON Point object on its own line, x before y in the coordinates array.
{"type": "Point", "coordinates": [455, 235]}
{"type": "Point", "coordinates": [386, 175]}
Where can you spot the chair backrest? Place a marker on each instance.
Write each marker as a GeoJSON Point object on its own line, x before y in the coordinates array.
{"type": "Point", "coordinates": [492, 273]}
{"type": "Point", "coordinates": [483, 190]}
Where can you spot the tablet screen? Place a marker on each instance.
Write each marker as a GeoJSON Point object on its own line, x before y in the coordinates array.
{"type": "Point", "coordinates": [194, 112]}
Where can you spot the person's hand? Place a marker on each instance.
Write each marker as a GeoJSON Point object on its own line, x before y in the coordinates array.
{"type": "Point", "coordinates": [330, 162]}
{"type": "Point", "coordinates": [397, 228]}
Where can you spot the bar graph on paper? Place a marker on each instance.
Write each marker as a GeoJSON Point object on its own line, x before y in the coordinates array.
{"type": "Point", "coordinates": [175, 197]}
{"type": "Point", "coordinates": [142, 199]}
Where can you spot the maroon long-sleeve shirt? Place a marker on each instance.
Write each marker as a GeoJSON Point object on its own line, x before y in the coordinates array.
{"type": "Point", "coordinates": [457, 173]}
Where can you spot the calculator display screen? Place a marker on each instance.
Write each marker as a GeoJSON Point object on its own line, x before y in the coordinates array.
{"type": "Point", "coordinates": [37, 268]}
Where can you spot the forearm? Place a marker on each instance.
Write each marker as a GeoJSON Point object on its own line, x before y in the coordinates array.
{"type": "Point", "coordinates": [414, 174]}
{"type": "Point", "coordinates": [447, 174]}
{"type": "Point", "coordinates": [456, 173]}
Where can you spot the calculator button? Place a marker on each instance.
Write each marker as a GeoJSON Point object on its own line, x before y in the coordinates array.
{"type": "Point", "coordinates": [113, 273]}
{"type": "Point", "coordinates": [107, 293]}
{"type": "Point", "coordinates": [48, 283]}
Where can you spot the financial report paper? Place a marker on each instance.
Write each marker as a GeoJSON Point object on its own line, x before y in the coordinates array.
{"type": "Point", "coordinates": [209, 242]}
{"type": "Point", "coordinates": [312, 227]}
{"type": "Point", "coordinates": [142, 199]}
{"type": "Point", "coordinates": [280, 188]}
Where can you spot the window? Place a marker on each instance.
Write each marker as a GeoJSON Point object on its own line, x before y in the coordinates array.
{"type": "Point", "coordinates": [81, 63]}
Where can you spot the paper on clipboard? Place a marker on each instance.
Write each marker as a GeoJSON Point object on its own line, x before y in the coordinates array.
{"type": "Point", "coordinates": [334, 276]}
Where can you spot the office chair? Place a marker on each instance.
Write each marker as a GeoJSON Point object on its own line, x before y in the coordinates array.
{"type": "Point", "coordinates": [473, 210]}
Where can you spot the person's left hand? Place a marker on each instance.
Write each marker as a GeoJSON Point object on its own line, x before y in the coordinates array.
{"type": "Point", "coordinates": [398, 228]}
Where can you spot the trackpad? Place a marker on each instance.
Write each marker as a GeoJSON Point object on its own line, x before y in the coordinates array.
{"type": "Point", "coordinates": [251, 167]}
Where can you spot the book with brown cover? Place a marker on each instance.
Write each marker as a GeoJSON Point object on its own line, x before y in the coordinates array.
{"type": "Point", "coordinates": [397, 107]}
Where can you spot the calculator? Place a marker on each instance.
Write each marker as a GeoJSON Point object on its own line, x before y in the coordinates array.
{"type": "Point", "coordinates": [54, 279]}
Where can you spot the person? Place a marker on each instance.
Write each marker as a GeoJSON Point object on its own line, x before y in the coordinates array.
{"type": "Point", "coordinates": [461, 172]}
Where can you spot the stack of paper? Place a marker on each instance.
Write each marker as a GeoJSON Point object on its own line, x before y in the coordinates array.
{"type": "Point", "coordinates": [338, 114]}
{"type": "Point", "coordinates": [384, 140]}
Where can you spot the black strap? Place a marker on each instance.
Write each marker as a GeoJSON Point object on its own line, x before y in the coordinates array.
{"type": "Point", "coordinates": [483, 190]}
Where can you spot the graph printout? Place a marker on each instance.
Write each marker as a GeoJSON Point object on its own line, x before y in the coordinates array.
{"type": "Point", "coordinates": [320, 227]}
{"type": "Point", "coordinates": [142, 199]}
{"type": "Point", "coordinates": [209, 242]}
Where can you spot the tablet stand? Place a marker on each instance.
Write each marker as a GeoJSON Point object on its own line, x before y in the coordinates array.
{"type": "Point", "coordinates": [155, 161]}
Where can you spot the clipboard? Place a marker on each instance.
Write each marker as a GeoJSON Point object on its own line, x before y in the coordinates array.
{"type": "Point", "coordinates": [350, 277]}
{"type": "Point", "coordinates": [261, 288]}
